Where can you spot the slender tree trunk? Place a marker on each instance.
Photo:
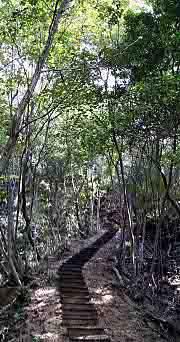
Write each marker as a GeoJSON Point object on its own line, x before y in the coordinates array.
{"type": "Point", "coordinates": [98, 211]}
{"type": "Point", "coordinates": [126, 201]}
{"type": "Point", "coordinates": [77, 208]}
{"type": "Point", "coordinates": [10, 237]}
{"type": "Point", "coordinates": [24, 211]}
{"type": "Point", "coordinates": [92, 206]}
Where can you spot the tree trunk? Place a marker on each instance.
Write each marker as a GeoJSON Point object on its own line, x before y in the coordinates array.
{"type": "Point", "coordinates": [10, 237]}
{"type": "Point", "coordinates": [126, 201]}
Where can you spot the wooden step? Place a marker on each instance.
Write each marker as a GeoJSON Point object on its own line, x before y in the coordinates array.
{"type": "Point", "coordinates": [76, 284]}
{"type": "Point", "coordinates": [74, 263]}
{"type": "Point", "coordinates": [75, 295]}
{"type": "Point", "coordinates": [70, 267]}
{"type": "Point", "coordinates": [78, 322]}
{"type": "Point", "coordinates": [79, 315]}
{"type": "Point", "coordinates": [73, 266]}
{"type": "Point", "coordinates": [71, 276]}
{"type": "Point", "coordinates": [90, 338]}
{"type": "Point", "coordinates": [73, 290]}
{"type": "Point", "coordinates": [72, 280]}
{"type": "Point", "coordinates": [72, 285]}
{"type": "Point", "coordinates": [75, 300]}
{"type": "Point", "coordinates": [82, 309]}
{"type": "Point", "coordinates": [72, 271]}
{"type": "Point", "coordinates": [85, 331]}
{"type": "Point", "coordinates": [82, 306]}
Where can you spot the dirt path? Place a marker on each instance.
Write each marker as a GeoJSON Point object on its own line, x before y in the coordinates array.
{"type": "Point", "coordinates": [41, 318]}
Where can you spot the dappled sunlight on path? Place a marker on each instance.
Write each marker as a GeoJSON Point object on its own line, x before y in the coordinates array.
{"type": "Point", "coordinates": [44, 315]}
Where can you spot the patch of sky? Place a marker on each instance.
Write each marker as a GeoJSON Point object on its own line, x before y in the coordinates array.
{"type": "Point", "coordinates": [139, 5]}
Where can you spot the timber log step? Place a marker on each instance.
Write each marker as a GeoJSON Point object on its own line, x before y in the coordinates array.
{"type": "Point", "coordinates": [93, 338]}
{"type": "Point", "coordinates": [78, 313]}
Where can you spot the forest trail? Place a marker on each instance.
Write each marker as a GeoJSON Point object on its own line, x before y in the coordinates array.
{"type": "Point", "coordinates": [82, 303]}
{"type": "Point", "coordinates": [79, 315]}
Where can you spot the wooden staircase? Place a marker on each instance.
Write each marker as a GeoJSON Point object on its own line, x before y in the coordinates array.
{"type": "Point", "coordinates": [79, 314]}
